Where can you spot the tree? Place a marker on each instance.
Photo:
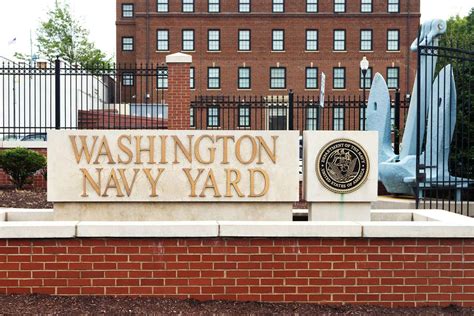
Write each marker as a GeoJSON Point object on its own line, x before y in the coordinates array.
{"type": "Point", "coordinates": [460, 36]}
{"type": "Point", "coordinates": [61, 35]}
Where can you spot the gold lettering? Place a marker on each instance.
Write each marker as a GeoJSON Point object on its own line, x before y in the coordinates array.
{"type": "Point", "coordinates": [187, 152]}
{"type": "Point", "coordinates": [212, 185]}
{"type": "Point", "coordinates": [225, 147]}
{"type": "Point", "coordinates": [153, 181]}
{"type": "Point", "coordinates": [192, 181]}
{"type": "Point", "coordinates": [96, 186]}
{"type": "Point", "coordinates": [271, 154]}
{"type": "Point", "coordinates": [197, 152]}
{"type": "Point", "coordinates": [125, 149]}
{"type": "Point", "coordinates": [238, 148]}
{"type": "Point", "coordinates": [266, 181]}
{"type": "Point", "coordinates": [163, 149]}
{"type": "Point", "coordinates": [150, 149]}
{"type": "Point", "coordinates": [84, 148]}
{"type": "Point", "coordinates": [104, 145]}
{"type": "Point", "coordinates": [233, 183]}
{"type": "Point", "coordinates": [113, 183]}
{"type": "Point", "coordinates": [123, 176]}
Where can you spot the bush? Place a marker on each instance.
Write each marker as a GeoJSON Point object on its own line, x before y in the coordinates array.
{"type": "Point", "coordinates": [20, 164]}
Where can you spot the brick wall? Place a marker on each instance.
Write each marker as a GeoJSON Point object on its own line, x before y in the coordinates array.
{"type": "Point", "coordinates": [38, 180]}
{"type": "Point", "coordinates": [402, 272]}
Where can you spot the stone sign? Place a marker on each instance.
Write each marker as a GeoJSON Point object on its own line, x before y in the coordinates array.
{"type": "Point", "coordinates": [340, 177]}
{"type": "Point", "coordinates": [172, 166]}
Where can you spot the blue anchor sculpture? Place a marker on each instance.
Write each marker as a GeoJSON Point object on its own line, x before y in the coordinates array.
{"type": "Point", "coordinates": [398, 173]}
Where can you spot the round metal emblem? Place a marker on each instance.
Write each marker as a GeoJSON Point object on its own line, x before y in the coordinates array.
{"type": "Point", "coordinates": [342, 166]}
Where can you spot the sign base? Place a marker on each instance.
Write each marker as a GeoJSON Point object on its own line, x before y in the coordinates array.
{"type": "Point", "coordinates": [173, 211]}
{"type": "Point", "coordinates": [339, 211]}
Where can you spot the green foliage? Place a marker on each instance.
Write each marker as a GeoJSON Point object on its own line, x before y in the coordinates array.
{"type": "Point", "coordinates": [460, 36]}
{"type": "Point", "coordinates": [21, 164]}
{"type": "Point", "coordinates": [61, 35]}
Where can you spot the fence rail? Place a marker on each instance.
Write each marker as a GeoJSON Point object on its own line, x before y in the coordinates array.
{"type": "Point", "coordinates": [289, 112]}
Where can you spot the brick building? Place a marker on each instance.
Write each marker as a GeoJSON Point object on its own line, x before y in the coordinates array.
{"type": "Point", "coordinates": [265, 47]}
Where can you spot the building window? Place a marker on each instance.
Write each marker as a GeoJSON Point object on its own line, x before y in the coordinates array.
{"type": "Point", "coordinates": [339, 40]}
{"type": "Point", "coordinates": [312, 112]}
{"type": "Point", "coordinates": [127, 10]}
{"type": "Point", "coordinates": [368, 79]}
{"type": "Point", "coordinates": [244, 6]}
{"type": "Point", "coordinates": [277, 78]}
{"type": "Point", "coordinates": [339, 78]}
{"type": "Point", "coordinates": [213, 116]}
{"type": "Point", "coordinates": [366, 6]}
{"type": "Point", "coordinates": [339, 6]}
{"type": "Point", "coordinates": [393, 77]}
{"type": "Point", "coordinates": [188, 6]}
{"type": "Point", "coordinates": [213, 78]}
{"type": "Point", "coordinates": [278, 6]}
{"type": "Point", "coordinates": [278, 40]}
{"type": "Point", "coordinates": [162, 78]}
{"type": "Point", "coordinates": [244, 40]}
{"type": "Point", "coordinates": [149, 110]}
{"type": "Point", "coordinates": [162, 40]}
{"type": "Point", "coordinates": [311, 77]}
{"type": "Point", "coordinates": [192, 80]}
{"type": "Point", "coordinates": [128, 79]}
{"type": "Point", "coordinates": [192, 117]}
{"type": "Point", "coordinates": [366, 40]}
{"type": "Point", "coordinates": [244, 116]}
{"type": "Point", "coordinates": [312, 6]}
{"type": "Point", "coordinates": [188, 40]}
{"type": "Point", "coordinates": [338, 118]}
{"type": "Point", "coordinates": [213, 40]}
{"type": "Point", "coordinates": [393, 43]}
{"type": "Point", "coordinates": [214, 6]}
{"type": "Point", "coordinates": [244, 78]}
{"type": "Point", "coordinates": [312, 40]}
{"type": "Point", "coordinates": [393, 6]}
{"type": "Point", "coordinates": [162, 5]}
{"type": "Point", "coordinates": [127, 44]}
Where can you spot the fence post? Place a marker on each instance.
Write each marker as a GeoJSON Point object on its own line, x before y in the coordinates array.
{"type": "Point", "coordinates": [290, 109]}
{"type": "Point", "coordinates": [396, 135]}
{"type": "Point", "coordinates": [179, 91]}
{"type": "Point", "coordinates": [57, 93]}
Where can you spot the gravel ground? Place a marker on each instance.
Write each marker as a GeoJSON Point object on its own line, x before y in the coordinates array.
{"type": "Point", "coordinates": [86, 305]}
{"type": "Point", "coordinates": [24, 199]}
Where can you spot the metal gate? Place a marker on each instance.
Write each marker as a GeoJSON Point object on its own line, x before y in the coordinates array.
{"type": "Point", "coordinates": [445, 129]}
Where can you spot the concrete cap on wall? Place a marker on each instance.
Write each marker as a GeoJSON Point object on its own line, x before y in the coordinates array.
{"type": "Point", "coordinates": [179, 58]}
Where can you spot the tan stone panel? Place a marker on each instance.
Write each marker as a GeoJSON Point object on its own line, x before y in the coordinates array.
{"type": "Point", "coordinates": [314, 190]}
{"type": "Point", "coordinates": [178, 166]}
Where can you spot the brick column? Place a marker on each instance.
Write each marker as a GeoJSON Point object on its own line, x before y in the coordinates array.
{"type": "Point", "coordinates": [179, 92]}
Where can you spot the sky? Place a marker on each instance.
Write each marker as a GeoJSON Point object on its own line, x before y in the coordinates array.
{"type": "Point", "coordinates": [19, 18]}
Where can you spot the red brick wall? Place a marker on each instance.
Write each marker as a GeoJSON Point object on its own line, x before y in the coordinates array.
{"type": "Point", "coordinates": [401, 272]}
{"type": "Point", "coordinates": [38, 179]}
{"type": "Point", "coordinates": [111, 119]}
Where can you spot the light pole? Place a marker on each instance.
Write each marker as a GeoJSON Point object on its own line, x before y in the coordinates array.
{"type": "Point", "coordinates": [364, 66]}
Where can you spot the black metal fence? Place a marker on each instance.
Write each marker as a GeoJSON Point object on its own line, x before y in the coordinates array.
{"type": "Point", "coordinates": [39, 96]}
{"type": "Point", "coordinates": [445, 129]}
{"type": "Point", "coordinates": [290, 112]}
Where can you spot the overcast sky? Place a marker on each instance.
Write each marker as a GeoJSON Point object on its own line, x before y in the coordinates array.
{"type": "Point", "coordinates": [18, 17]}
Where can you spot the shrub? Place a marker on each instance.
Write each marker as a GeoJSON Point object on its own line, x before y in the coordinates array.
{"type": "Point", "coordinates": [20, 164]}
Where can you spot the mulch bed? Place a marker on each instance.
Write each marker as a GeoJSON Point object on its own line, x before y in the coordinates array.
{"type": "Point", "coordinates": [44, 304]}
{"type": "Point", "coordinates": [24, 199]}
